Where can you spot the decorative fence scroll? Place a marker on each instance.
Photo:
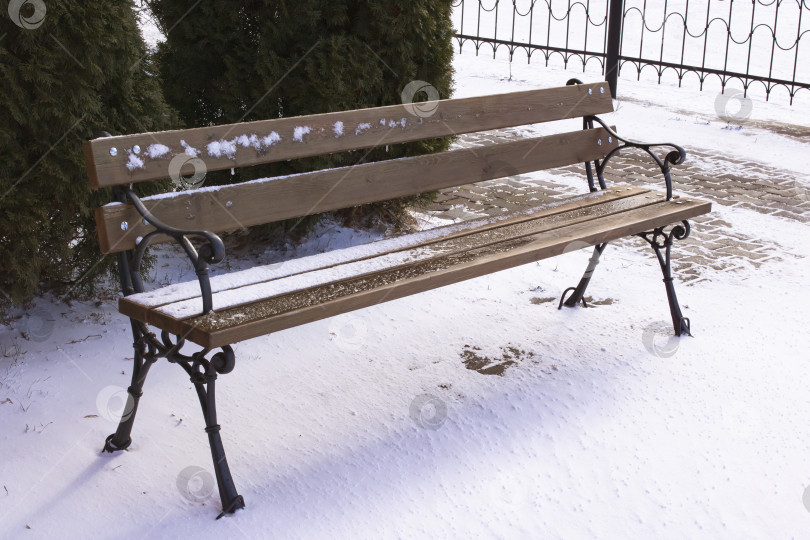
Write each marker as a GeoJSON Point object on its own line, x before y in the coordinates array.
{"type": "Point", "coordinates": [753, 42]}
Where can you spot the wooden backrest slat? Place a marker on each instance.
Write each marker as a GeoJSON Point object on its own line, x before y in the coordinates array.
{"type": "Point", "coordinates": [264, 201]}
{"type": "Point", "coordinates": [266, 141]}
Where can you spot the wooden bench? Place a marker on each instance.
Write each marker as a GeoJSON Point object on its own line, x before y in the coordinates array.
{"type": "Point", "coordinates": [217, 312]}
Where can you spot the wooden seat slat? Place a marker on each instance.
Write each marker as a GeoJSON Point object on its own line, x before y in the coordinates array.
{"type": "Point", "coordinates": [441, 248]}
{"type": "Point", "coordinates": [232, 280]}
{"type": "Point", "coordinates": [284, 311]}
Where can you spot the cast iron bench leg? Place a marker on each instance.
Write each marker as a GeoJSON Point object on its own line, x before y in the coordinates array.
{"type": "Point", "coordinates": [204, 378]}
{"type": "Point", "coordinates": [579, 290]}
{"type": "Point", "coordinates": [660, 240]}
{"type": "Point", "coordinates": [121, 439]}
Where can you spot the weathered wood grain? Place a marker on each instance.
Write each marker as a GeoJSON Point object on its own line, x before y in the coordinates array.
{"type": "Point", "coordinates": [458, 267]}
{"type": "Point", "coordinates": [313, 135]}
{"type": "Point", "coordinates": [253, 203]}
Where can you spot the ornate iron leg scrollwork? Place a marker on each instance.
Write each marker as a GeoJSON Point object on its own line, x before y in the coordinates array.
{"type": "Point", "coordinates": [144, 356]}
{"type": "Point", "coordinates": [662, 241]}
{"type": "Point", "coordinates": [121, 439]}
{"type": "Point", "coordinates": [203, 375]}
{"type": "Point", "coordinates": [579, 291]}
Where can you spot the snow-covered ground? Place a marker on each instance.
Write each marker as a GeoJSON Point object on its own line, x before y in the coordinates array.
{"type": "Point", "coordinates": [372, 425]}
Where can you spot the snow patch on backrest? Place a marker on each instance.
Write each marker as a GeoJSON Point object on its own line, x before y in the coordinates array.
{"type": "Point", "coordinates": [222, 147]}
{"type": "Point", "coordinates": [134, 162]}
{"type": "Point", "coordinates": [190, 150]}
{"type": "Point", "coordinates": [271, 139]}
{"type": "Point", "coordinates": [155, 151]}
{"type": "Point", "coordinates": [300, 131]}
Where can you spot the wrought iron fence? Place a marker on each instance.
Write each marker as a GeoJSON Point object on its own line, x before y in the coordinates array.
{"type": "Point", "coordinates": [750, 41]}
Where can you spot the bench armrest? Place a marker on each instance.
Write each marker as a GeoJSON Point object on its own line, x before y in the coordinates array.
{"type": "Point", "coordinates": [674, 157]}
{"type": "Point", "coordinates": [210, 252]}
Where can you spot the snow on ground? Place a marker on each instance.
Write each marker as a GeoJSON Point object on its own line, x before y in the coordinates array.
{"type": "Point", "coordinates": [371, 425]}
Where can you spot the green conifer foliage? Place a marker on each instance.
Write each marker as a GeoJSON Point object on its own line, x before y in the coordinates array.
{"type": "Point", "coordinates": [233, 61]}
{"type": "Point", "coordinates": [68, 70]}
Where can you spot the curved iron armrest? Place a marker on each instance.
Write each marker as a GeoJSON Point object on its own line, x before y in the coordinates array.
{"type": "Point", "coordinates": [675, 157]}
{"type": "Point", "coordinates": [211, 252]}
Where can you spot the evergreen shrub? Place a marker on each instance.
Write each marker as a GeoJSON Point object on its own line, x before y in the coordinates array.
{"type": "Point", "coordinates": [68, 70]}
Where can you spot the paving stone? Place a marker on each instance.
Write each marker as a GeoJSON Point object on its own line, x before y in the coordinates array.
{"type": "Point", "coordinates": [791, 215]}
{"type": "Point", "coordinates": [714, 244]}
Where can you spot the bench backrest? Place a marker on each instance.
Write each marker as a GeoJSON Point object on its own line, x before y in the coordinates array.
{"type": "Point", "coordinates": [128, 159]}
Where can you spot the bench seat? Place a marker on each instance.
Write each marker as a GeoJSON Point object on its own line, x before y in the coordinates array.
{"type": "Point", "coordinates": [267, 299]}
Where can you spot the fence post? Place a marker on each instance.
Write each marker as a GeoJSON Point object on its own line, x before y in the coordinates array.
{"type": "Point", "coordinates": [615, 16]}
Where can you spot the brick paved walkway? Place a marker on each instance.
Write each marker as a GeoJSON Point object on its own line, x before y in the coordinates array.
{"type": "Point", "coordinates": [724, 181]}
